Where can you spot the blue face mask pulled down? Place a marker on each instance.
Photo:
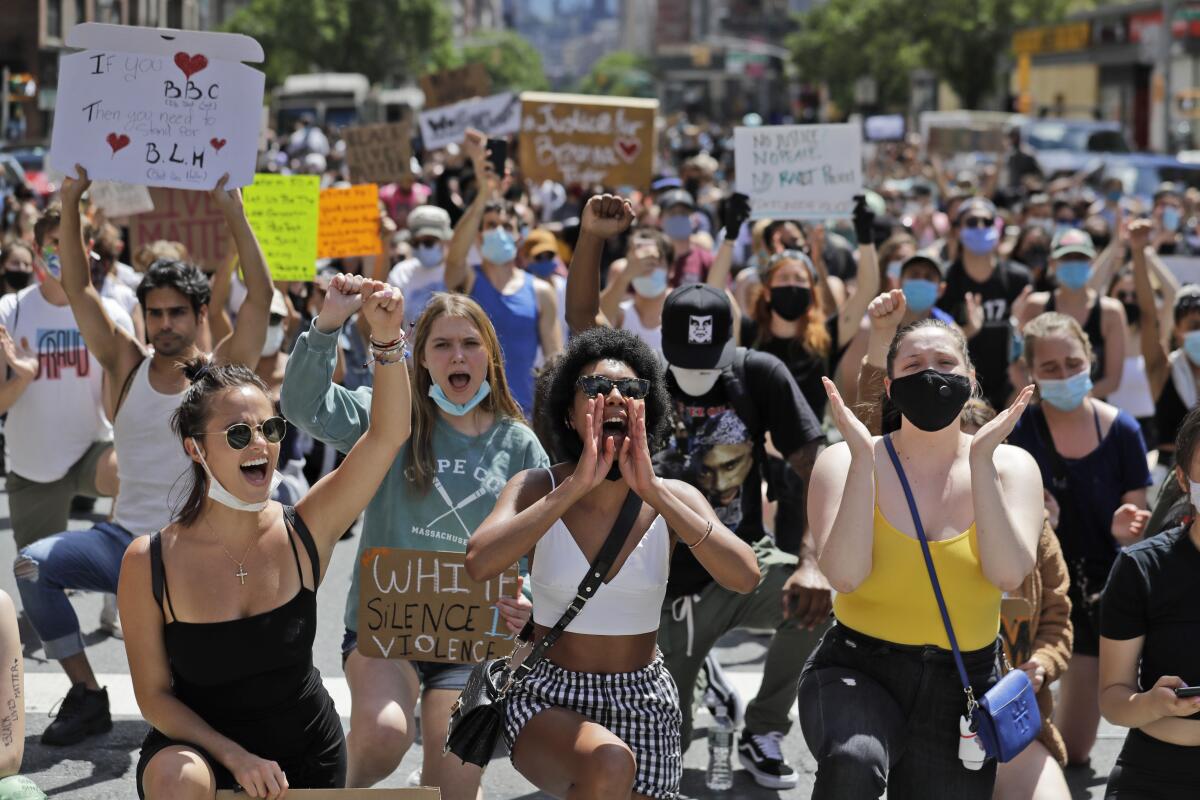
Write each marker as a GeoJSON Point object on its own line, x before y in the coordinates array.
{"type": "Point", "coordinates": [1074, 274]}
{"type": "Point", "coordinates": [543, 268]}
{"type": "Point", "coordinates": [1068, 393]}
{"type": "Point", "coordinates": [919, 294]}
{"type": "Point", "coordinates": [652, 285]}
{"type": "Point", "coordinates": [980, 241]}
{"type": "Point", "coordinates": [499, 246]}
{"type": "Point", "coordinates": [430, 255]}
{"type": "Point", "coordinates": [458, 409]}
{"type": "Point", "coordinates": [1191, 347]}
{"type": "Point", "coordinates": [677, 227]}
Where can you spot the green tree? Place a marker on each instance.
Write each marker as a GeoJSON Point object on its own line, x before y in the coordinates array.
{"type": "Point", "coordinates": [389, 41]}
{"type": "Point", "coordinates": [621, 74]}
{"type": "Point", "coordinates": [511, 61]}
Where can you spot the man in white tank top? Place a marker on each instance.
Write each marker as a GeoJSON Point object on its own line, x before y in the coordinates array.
{"type": "Point", "coordinates": [144, 388]}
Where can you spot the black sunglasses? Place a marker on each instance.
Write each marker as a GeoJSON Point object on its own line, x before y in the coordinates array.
{"type": "Point", "coordinates": [979, 222]}
{"type": "Point", "coordinates": [631, 388]}
{"type": "Point", "coordinates": [240, 434]}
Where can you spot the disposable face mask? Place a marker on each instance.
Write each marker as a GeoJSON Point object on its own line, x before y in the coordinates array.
{"type": "Point", "coordinates": [652, 285]}
{"type": "Point", "coordinates": [430, 255]}
{"type": "Point", "coordinates": [695, 382]}
{"type": "Point", "coordinates": [980, 241]}
{"type": "Point", "coordinates": [274, 341]}
{"type": "Point", "coordinates": [920, 294]}
{"type": "Point", "coordinates": [1074, 274]}
{"type": "Point", "coordinates": [458, 409]}
{"type": "Point", "coordinates": [543, 268]}
{"type": "Point", "coordinates": [677, 227]}
{"type": "Point", "coordinates": [219, 494]}
{"type": "Point", "coordinates": [1170, 218]}
{"type": "Point", "coordinates": [499, 246]}
{"type": "Point", "coordinates": [1191, 346]}
{"type": "Point", "coordinates": [1066, 394]}
{"type": "Point", "coordinates": [893, 269]}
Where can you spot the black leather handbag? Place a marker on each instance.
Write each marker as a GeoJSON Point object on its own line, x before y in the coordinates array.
{"type": "Point", "coordinates": [477, 716]}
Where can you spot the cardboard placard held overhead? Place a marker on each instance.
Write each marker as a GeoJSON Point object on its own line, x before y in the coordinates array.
{"type": "Point", "coordinates": [498, 115]}
{"type": "Point", "coordinates": [1016, 634]}
{"type": "Point", "coordinates": [379, 153]}
{"type": "Point", "coordinates": [947, 141]}
{"type": "Point", "coordinates": [192, 218]}
{"type": "Point", "coordinates": [799, 171]}
{"type": "Point", "coordinates": [580, 139]}
{"type": "Point", "coordinates": [157, 106]}
{"type": "Point", "coordinates": [452, 85]}
{"type": "Point", "coordinates": [282, 210]}
{"type": "Point", "coordinates": [121, 199]}
{"type": "Point", "coordinates": [348, 224]}
{"type": "Point", "coordinates": [419, 605]}
{"type": "Point", "coordinates": [422, 793]}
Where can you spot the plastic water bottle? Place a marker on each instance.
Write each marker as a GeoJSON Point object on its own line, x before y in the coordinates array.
{"type": "Point", "coordinates": [720, 752]}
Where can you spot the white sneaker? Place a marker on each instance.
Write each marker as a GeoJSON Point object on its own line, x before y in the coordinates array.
{"type": "Point", "coordinates": [110, 619]}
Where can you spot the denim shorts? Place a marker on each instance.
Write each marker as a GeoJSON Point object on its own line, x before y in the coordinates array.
{"type": "Point", "coordinates": [432, 674]}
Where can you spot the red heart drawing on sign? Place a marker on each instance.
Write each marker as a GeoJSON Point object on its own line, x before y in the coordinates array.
{"type": "Point", "coordinates": [216, 143]}
{"type": "Point", "coordinates": [190, 64]}
{"type": "Point", "coordinates": [628, 149]}
{"type": "Point", "coordinates": [116, 142]}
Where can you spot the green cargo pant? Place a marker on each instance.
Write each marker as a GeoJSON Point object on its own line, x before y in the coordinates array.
{"type": "Point", "coordinates": [691, 625]}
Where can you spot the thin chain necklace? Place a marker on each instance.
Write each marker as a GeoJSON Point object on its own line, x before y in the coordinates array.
{"type": "Point", "coordinates": [241, 573]}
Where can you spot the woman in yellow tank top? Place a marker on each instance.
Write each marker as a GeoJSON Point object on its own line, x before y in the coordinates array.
{"type": "Point", "coordinates": [880, 699]}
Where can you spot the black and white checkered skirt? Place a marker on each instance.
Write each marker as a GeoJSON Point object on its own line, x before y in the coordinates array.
{"type": "Point", "coordinates": [641, 708]}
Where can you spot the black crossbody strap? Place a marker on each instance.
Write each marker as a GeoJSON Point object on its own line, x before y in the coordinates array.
{"type": "Point", "coordinates": [590, 583]}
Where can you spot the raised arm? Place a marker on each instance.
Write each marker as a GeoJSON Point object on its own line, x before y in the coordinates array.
{"type": "Point", "coordinates": [866, 277]}
{"type": "Point", "coordinates": [244, 345]}
{"type": "Point", "coordinates": [604, 216]}
{"type": "Point", "coordinates": [459, 276]}
{"type": "Point", "coordinates": [1153, 350]}
{"type": "Point", "coordinates": [733, 216]}
{"type": "Point", "coordinates": [116, 349]}
{"type": "Point", "coordinates": [549, 331]}
{"type": "Point", "coordinates": [620, 276]}
{"type": "Point", "coordinates": [1169, 286]}
{"type": "Point", "coordinates": [220, 325]}
{"type": "Point", "coordinates": [885, 311]}
{"type": "Point", "coordinates": [1009, 509]}
{"type": "Point", "coordinates": [1114, 329]}
{"type": "Point", "coordinates": [332, 505]}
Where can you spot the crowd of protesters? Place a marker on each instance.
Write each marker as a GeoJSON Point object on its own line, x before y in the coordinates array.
{"type": "Point", "coordinates": [993, 358]}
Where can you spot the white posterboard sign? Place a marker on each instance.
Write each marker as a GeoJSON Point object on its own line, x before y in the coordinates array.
{"type": "Point", "coordinates": [158, 107]}
{"type": "Point", "coordinates": [799, 171]}
{"type": "Point", "coordinates": [121, 199]}
{"type": "Point", "coordinates": [498, 115]}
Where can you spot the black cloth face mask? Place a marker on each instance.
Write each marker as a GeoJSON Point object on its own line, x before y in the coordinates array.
{"type": "Point", "coordinates": [931, 400]}
{"type": "Point", "coordinates": [17, 279]}
{"type": "Point", "coordinates": [791, 302]}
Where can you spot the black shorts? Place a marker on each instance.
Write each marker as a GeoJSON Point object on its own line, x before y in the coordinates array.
{"type": "Point", "coordinates": [1149, 769]}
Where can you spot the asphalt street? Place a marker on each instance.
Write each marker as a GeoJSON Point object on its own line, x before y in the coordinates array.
{"type": "Point", "coordinates": [102, 768]}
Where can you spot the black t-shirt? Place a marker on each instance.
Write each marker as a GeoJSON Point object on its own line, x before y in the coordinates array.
{"type": "Point", "coordinates": [807, 368]}
{"type": "Point", "coordinates": [1151, 592]}
{"type": "Point", "coordinates": [990, 347]}
{"type": "Point", "coordinates": [1169, 412]}
{"type": "Point", "coordinates": [713, 449]}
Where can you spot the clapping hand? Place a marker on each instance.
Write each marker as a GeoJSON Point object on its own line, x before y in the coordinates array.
{"type": "Point", "coordinates": [19, 358]}
{"type": "Point", "coordinates": [991, 435]}
{"type": "Point", "coordinates": [854, 433]}
{"type": "Point", "coordinates": [1129, 524]}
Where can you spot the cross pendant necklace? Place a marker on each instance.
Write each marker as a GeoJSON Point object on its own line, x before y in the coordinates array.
{"type": "Point", "coordinates": [241, 573]}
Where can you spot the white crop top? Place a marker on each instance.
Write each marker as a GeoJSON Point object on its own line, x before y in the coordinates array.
{"type": "Point", "coordinates": [629, 604]}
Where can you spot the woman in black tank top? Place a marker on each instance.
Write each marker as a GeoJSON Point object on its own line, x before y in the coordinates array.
{"type": "Point", "coordinates": [220, 617]}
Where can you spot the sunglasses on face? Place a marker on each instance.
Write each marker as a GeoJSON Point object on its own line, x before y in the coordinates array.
{"type": "Point", "coordinates": [426, 242]}
{"type": "Point", "coordinates": [631, 388]}
{"type": "Point", "coordinates": [979, 222]}
{"type": "Point", "coordinates": [240, 434]}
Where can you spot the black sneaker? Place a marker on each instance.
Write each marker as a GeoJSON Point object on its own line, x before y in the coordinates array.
{"type": "Point", "coordinates": [761, 755]}
{"type": "Point", "coordinates": [83, 713]}
{"type": "Point", "coordinates": [722, 692]}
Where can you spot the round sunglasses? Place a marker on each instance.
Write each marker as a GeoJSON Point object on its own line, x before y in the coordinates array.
{"type": "Point", "coordinates": [631, 388]}
{"type": "Point", "coordinates": [240, 434]}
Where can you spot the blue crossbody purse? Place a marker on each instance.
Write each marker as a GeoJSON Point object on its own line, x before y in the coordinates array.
{"type": "Point", "coordinates": [1006, 718]}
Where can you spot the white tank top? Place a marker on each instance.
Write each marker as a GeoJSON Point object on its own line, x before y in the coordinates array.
{"type": "Point", "coordinates": [630, 321]}
{"type": "Point", "coordinates": [1133, 395]}
{"type": "Point", "coordinates": [155, 471]}
{"type": "Point", "coordinates": [629, 604]}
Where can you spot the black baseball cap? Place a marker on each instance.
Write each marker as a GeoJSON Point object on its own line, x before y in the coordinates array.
{"type": "Point", "coordinates": [697, 328]}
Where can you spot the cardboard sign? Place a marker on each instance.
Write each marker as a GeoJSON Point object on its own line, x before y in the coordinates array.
{"type": "Point", "coordinates": [1016, 634]}
{"type": "Point", "coordinates": [452, 85]}
{"type": "Point", "coordinates": [419, 605]}
{"type": "Point", "coordinates": [580, 139]}
{"type": "Point", "coordinates": [498, 115]}
{"type": "Point", "coordinates": [192, 218]}
{"type": "Point", "coordinates": [379, 153]}
{"type": "Point", "coordinates": [282, 210]}
{"type": "Point", "coordinates": [348, 222]}
{"type": "Point", "coordinates": [346, 794]}
{"type": "Point", "coordinates": [949, 141]}
{"type": "Point", "coordinates": [121, 199]}
{"type": "Point", "coordinates": [158, 107]}
{"type": "Point", "coordinates": [799, 171]}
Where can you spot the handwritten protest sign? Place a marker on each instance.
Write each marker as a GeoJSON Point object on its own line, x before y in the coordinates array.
{"type": "Point", "coordinates": [422, 793]}
{"type": "Point", "coordinates": [121, 199]}
{"type": "Point", "coordinates": [1016, 634]}
{"type": "Point", "coordinates": [421, 606]}
{"type": "Point", "coordinates": [192, 218]}
{"type": "Point", "coordinates": [799, 171]}
{"type": "Point", "coordinates": [945, 140]}
{"type": "Point", "coordinates": [348, 223]}
{"type": "Point", "coordinates": [498, 115]}
{"type": "Point", "coordinates": [451, 85]}
{"type": "Point", "coordinates": [587, 140]}
{"type": "Point", "coordinates": [379, 153]}
{"type": "Point", "coordinates": [282, 209]}
{"type": "Point", "coordinates": [143, 107]}
{"type": "Point", "coordinates": [884, 128]}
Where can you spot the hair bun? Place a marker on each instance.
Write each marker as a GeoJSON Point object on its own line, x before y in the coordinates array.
{"type": "Point", "coordinates": [196, 368]}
